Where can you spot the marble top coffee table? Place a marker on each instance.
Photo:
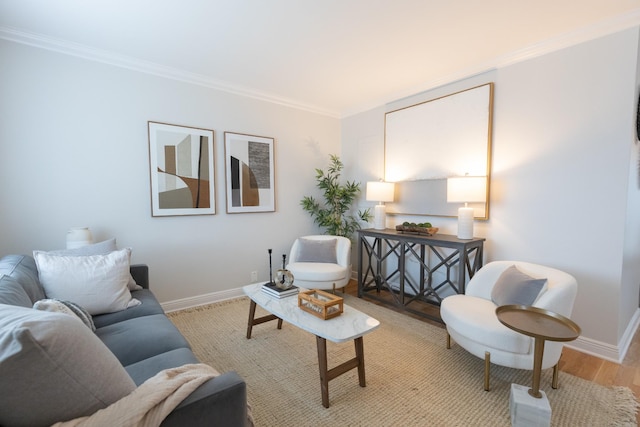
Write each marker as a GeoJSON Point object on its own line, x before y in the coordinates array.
{"type": "Point", "coordinates": [350, 325]}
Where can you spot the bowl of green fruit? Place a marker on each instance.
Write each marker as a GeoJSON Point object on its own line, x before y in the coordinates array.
{"type": "Point", "coordinates": [417, 228]}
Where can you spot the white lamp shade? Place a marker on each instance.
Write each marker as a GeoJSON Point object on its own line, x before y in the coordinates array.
{"type": "Point", "coordinates": [380, 191]}
{"type": "Point", "coordinates": [467, 189]}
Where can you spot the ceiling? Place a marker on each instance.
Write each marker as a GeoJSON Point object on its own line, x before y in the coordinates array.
{"type": "Point", "coordinates": [335, 57]}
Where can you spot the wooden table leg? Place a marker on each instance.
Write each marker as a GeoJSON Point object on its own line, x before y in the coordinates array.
{"type": "Point", "coordinates": [327, 374]}
{"type": "Point", "coordinates": [252, 313]}
{"type": "Point", "coordinates": [324, 374]}
{"type": "Point", "coordinates": [359, 344]}
{"type": "Point", "coordinates": [253, 321]}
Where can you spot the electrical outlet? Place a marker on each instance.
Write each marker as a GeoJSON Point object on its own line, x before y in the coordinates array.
{"type": "Point", "coordinates": [254, 276]}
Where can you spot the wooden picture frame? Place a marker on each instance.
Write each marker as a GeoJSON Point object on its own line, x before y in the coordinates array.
{"type": "Point", "coordinates": [428, 142]}
{"type": "Point", "coordinates": [249, 173]}
{"type": "Point", "coordinates": [182, 170]}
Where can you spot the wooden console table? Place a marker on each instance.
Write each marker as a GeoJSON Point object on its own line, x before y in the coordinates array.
{"type": "Point", "coordinates": [440, 253]}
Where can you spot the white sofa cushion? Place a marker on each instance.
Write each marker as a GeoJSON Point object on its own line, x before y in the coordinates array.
{"type": "Point", "coordinates": [53, 368]}
{"type": "Point", "coordinates": [480, 324]}
{"type": "Point", "coordinates": [318, 272]}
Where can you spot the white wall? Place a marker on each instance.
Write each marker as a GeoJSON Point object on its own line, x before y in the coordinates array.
{"type": "Point", "coordinates": [74, 151]}
{"type": "Point", "coordinates": [560, 186]}
{"type": "Point", "coordinates": [631, 254]}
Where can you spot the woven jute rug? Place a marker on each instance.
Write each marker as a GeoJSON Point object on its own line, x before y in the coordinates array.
{"type": "Point", "coordinates": [412, 379]}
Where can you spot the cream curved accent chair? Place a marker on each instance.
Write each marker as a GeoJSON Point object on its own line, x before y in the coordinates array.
{"type": "Point", "coordinates": [320, 262]}
{"type": "Point", "coordinates": [472, 322]}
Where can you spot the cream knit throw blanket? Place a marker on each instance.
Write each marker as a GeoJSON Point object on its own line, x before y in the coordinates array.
{"type": "Point", "coordinates": [151, 402]}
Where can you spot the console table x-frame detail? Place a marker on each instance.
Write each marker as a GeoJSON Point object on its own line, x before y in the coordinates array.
{"type": "Point", "coordinates": [382, 266]}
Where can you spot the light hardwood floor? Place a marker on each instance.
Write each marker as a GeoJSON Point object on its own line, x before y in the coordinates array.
{"type": "Point", "coordinates": [580, 364]}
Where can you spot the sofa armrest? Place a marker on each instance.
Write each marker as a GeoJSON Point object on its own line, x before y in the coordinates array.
{"type": "Point", "coordinates": [140, 273]}
{"type": "Point", "coordinates": [221, 401]}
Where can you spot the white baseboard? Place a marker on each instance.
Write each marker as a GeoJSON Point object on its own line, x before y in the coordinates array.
{"type": "Point", "coordinates": [614, 353]}
{"type": "Point", "coordinates": [629, 333]}
{"type": "Point", "coordinates": [183, 303]}
{"type": "Point", "coordinates": [596, 348]}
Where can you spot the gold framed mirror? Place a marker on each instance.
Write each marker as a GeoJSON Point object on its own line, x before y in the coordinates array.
{"type": "Point", "coordinates": [427, 143]}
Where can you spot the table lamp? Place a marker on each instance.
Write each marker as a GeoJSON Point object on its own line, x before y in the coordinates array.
{"type": "Point", "coordinates": [380, 191]}
{"type": "Point", "coordinates": [466, 189]}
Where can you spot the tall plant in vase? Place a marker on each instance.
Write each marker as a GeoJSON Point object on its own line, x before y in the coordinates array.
{"type": "Point", "coordinates": [334, 215]}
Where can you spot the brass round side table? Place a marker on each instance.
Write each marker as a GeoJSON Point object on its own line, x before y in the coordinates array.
{"type": "Point", "coordinates": [541, 325]}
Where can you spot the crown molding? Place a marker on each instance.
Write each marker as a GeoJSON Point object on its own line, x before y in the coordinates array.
{"type": "Point", "coordinates": [147, 67]}
{"type": "Point", "coordinates": [600, 29]}
{"type": "Point", "coordinates": [572, 38]}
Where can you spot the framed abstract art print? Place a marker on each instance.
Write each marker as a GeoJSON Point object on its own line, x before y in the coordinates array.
{"type": "Point", "coordinates": [249, 173]}
{"type": "Point", "coordinates": [182, 170]}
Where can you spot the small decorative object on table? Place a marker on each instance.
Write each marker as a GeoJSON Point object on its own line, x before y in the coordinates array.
{"type": "Point", "coordinates": [321, 304]}
{"type": "Point", "coordinates": [284, 278]}
{"type": "Point", "coordinates": [422, 228]}
{"type": "Point", "coordinates": [271, 282]}
{"type": "Point", "coordinates": [283, 286]}
{"type": "Point", "coordinates": [277, 292]}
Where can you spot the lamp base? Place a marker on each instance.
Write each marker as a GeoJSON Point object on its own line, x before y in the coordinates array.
{"type": "Point", "coordinates": [465, 223]}
{"type": "Point", "coordinates": [380, 217]}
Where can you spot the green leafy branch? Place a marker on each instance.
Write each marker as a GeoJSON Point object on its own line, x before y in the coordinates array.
{"type": "Point", "coordinates": [333, 214]}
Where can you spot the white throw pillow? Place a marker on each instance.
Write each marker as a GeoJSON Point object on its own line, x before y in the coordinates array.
{"type": "Point", "coordinates": [96, 282]}
{"type": "Point", "coordinates": [100, 248]}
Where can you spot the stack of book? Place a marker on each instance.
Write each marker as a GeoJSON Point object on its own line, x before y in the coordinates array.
{"type": "Point", "coordinates": [274, 291]}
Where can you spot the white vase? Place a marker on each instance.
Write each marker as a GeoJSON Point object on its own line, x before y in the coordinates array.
{"type": "Point", "coordinates": [78, 236]}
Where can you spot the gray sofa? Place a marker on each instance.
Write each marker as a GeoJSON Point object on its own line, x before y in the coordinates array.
{"type": "Point", "coordinates": [142, 338]}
